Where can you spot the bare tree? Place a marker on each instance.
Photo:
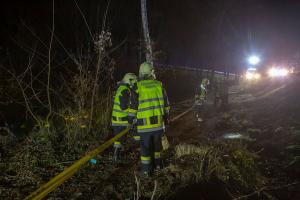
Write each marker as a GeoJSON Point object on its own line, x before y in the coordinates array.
{"type": "Point", "coordinates": [49, 66]}
{"type": "Point", "coordinates": [148, 48]}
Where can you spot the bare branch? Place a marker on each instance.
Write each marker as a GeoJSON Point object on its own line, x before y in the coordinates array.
{"type": "Point", "coordinates": [34, 34]}
{"type": "Point", "coordinates": [49, 64]}
{"type": "Point", "coordinates": [105, 16]}
{"type": "Point", "coordinates": [24, 96]}
{"type": "Point", "coordinates": [84, 19]}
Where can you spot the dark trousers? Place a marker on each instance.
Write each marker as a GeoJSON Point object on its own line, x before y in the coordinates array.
{"type": "Point", "coordinates": [121, 141]}
{"type": "Point", "coordinates": [151, 147]}
{"type": "Point", "coordinates": [135, 135]}
{"type": "Point", "coordinates": [199, 110]}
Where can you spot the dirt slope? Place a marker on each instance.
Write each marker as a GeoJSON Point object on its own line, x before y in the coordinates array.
{"type": "Point", "coordinates": [267, 115]}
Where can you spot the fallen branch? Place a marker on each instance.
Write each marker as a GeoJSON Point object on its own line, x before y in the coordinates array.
{"type": "Point", "coordinates": [261, 150]}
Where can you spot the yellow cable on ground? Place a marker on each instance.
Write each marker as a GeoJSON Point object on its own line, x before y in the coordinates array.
{"type": "Point", "coordinates": [70, 171]}
{"type": "Point", "coordinates": [165, 142]}
{"type": "Point", "coordinates": [182, 114]}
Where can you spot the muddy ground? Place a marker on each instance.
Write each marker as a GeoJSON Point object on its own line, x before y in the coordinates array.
{"type": "Point", "coordinates": [262, 163]}
{"type": "Point", "coordinates": [267, 116]}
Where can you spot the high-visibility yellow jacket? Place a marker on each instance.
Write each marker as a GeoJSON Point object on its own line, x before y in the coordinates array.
{"type": "Point", "coordinates": [203, 90]}
{"type": "Point", "coordinates": [149, 105]}
{"type": "Point", "coordinates": [121, 106]}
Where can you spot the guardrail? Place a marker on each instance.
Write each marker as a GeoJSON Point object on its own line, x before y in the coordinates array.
{"type": "Point", "coordinates": [197, 69]}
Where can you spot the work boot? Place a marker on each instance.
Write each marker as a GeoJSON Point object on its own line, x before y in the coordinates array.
{"type": "Point", "coordinates": [144, 174]}
{"type": "Point", "coordinates": [199, 119]}
{"type": "Point", "coordinates": [145, 170]}
{"type": "Point", "coordinates": [158, 167]}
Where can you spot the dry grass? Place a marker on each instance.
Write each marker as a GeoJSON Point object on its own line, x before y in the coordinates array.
{"type": "Point", "coordinates": [189, 149]}
{"type": "Point", "coordinates": [165, 142]}
{"type": "Point", "coordinates": [207, 162]}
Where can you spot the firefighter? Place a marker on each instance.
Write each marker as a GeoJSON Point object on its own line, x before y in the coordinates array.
{"type": "Point", "coordinates": [120, 111]}
{"type": "Point", "coordinates": [204, 88]}
{"type": "Point", "coordinates": [200, 98]}
{"type": "Point", "coordinates": [150, 107]}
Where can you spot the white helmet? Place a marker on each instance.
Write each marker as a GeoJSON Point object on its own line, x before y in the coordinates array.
{"type": "Point", "coordinates": [129, 78]}
{"type": "Point", "coordinates": [146, 69]}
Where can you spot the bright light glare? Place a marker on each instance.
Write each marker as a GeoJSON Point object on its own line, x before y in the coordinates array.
{"type": "Point", "coordinates": [249, 76]}
{"type": "Point", "coordinates": [278, 72]}
{"type": "Point", "coordinates": [251, 69]}
{"type": "Point", "coordinates": [252, 76]}
{"type": "Point", "coordinates": [253, 60]}
{"type": "Point", "coordinates": [257, 76]}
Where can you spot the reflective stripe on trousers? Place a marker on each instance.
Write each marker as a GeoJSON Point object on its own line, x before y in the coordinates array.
{"type": "Point", "coordinates": [146, 159]}
{"type": "Point", "coordinates": [147, 130]}
{"type": "Point", "coordinates": [116, 130]}
{"type": "Point", "coordinates": [157, 154]}
{"type": "Point", "coordinates": [137, 138]}
{"type": "Point", "coordinates": [117, 144]}
{"type": "Point", "coordinates": [150, 148]}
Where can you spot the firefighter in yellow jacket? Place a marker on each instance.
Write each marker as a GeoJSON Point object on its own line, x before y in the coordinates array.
{"type": "Point", "coordinates": [150, 107]}
{"type": "Point", "coordinates": [120, 111]}
{"type": "Point", "coordinates": [200, 98]}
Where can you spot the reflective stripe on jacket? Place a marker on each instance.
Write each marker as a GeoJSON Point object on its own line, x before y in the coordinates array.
{"type": "Point", "coordinates": [151, 106]}
{"type": "Point", "coordinates": [119, 115]}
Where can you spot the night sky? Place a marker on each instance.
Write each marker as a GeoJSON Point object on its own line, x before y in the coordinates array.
{"type": "Point", "coordinates": [211, 34]}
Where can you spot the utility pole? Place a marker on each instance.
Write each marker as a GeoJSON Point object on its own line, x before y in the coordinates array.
{"type": "Point", "coordinates": [148, 48]}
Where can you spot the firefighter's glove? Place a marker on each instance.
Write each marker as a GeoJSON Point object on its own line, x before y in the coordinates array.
{"type": "Point", "coordinates": [130, 120]}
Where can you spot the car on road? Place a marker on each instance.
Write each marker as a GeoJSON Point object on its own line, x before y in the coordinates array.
{"type": "Point", "coordinates": [252, 74]}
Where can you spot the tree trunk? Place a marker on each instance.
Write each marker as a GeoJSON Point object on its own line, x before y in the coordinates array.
{"type": "Point", "coordinates": [148, 48]}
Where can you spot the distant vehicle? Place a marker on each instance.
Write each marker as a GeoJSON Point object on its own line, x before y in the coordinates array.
{"type": "Point", "coordinates": [252, 74]}
{"type": "Point", "coordinates": [279, 71]}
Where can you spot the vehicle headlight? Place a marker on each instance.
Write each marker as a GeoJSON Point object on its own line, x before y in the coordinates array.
{"type": "Point", "coordinates": [257, 76]}
{"type": "Point", "coordinates": [278, 72]}
{"type": "Point", "coordinates": [249, 76]}
{"type": "Point", "coordinates": [252, 76]}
